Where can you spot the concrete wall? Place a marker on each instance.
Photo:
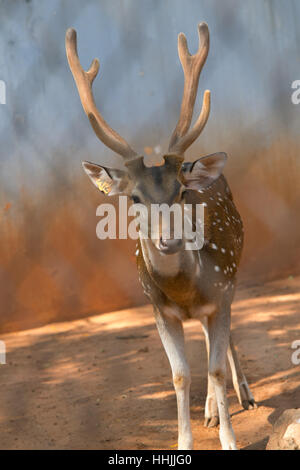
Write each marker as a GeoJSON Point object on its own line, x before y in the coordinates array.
{"type": "Point", "coordinates": [52, 266]}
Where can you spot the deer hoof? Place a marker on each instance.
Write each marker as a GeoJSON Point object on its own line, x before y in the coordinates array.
{"type": "Point", "coordinates": [211, 422]}
{"type": "Point", "coordinates": [249, 404]}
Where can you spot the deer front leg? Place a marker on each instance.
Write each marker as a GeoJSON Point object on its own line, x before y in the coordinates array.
{"type": "Point", "coordinates": [171, 333]}
{"type": "Point", "coordinates": [211, 414]}
{"type": "Point", "coordinates": [219, 332]}
{"type": "Point", "coordinates": [239, 380]}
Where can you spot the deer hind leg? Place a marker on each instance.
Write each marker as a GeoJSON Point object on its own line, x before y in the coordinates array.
{"type": "Point", "coordinates": [171, 333]}
{"type": "Point", "coordinates": [219, 333]}
{"type": "Point", "coordinates": [239, 380]}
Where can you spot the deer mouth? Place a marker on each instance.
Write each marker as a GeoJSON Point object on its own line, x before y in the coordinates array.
{"type": "Point", "coordinates": [170, 246]}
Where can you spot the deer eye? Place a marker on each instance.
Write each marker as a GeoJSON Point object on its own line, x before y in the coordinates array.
{"type": "Point", "coordinates": [135, 199]}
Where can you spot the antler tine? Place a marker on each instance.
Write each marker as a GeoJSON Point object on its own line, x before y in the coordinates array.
{"type": "Point", "coordinates": [186, 141]}
{"type": "Point", "coordinates": [84, 81]}
{"type": "Point", "coordinates": [192, 66]}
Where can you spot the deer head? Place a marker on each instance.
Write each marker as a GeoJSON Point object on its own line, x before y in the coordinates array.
{"type": "Point", "coordinates": [169, 182]}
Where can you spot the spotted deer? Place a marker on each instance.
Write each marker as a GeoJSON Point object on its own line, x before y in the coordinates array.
{"type": "Point", "coordinates": [181, 284]}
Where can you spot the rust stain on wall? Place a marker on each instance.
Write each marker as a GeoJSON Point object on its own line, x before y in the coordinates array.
{"type": "Point", "coordinates": [54, 268]}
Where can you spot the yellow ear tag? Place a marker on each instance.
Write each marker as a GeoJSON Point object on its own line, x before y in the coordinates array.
{"type": "Point", "coordinates": [103, 186]}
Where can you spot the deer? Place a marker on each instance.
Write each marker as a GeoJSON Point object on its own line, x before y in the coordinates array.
{"type": "Point", "coordinates": [181, 284]}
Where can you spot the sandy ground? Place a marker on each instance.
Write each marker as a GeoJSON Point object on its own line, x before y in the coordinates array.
{"type": "Point", "coordinates": [104, 382]}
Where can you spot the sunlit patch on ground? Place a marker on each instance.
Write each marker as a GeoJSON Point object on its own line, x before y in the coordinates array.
{"type": "Point", "coordinates": [104, 382]}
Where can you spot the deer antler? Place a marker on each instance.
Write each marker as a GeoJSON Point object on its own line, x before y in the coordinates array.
{"type": "Point", "coordinates": [192, 65]}
{"type": "Point", "coordinates": [84, 81]}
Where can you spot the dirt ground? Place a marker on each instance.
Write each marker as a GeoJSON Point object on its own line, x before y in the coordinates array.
{"type": "Point", "coordinates": [104, 382]}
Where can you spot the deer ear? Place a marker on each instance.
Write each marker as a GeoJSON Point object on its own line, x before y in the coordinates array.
{"type": "Point", "coordinates": [203, 171]}
{"type": "Point", "coordinates": [108, 181]}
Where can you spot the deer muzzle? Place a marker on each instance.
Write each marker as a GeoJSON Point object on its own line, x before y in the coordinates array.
{"type": "Point", "coordinates": [170, 245]}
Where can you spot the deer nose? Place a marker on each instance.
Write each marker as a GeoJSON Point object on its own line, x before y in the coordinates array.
{"type": "Point", "coordinates": [170, 245]}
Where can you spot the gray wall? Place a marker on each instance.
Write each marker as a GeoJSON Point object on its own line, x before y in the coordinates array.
{"type": "Point", "coordinates": [51, 264]}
